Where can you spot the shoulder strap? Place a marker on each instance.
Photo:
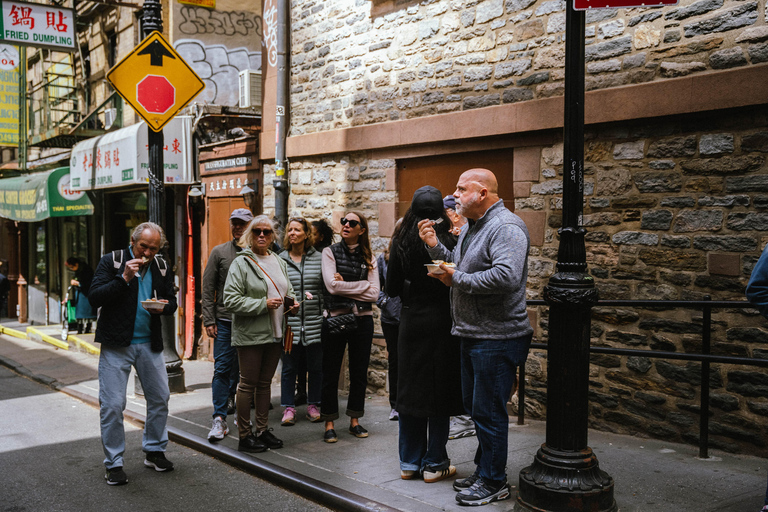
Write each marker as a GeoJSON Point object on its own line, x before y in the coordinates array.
{"type": "Point", "coordinates": [262, 269]}
{"type": "Point", "coordinates": [117, 258]}
{"type": "Point", "coordinates": [161, 264]}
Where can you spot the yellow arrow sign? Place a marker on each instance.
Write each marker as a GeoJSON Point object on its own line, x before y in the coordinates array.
{"type": "Point", "coordinates": [155, 81]}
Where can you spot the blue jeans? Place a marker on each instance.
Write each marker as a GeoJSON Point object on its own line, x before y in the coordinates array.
{"type": "Point", "coordinates": [422, 442]}
{"type": "Point", "coordinates": [114, 368]}
{"type": "Point", "coordinates": [487, 375]}
{"type": "Point", "coordinates": [226, 371]}
{"type": "Point", "coordinates": [313, 354]}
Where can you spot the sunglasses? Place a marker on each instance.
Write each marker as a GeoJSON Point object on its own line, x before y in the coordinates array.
{"type": "Point", "coordinates": [259, 231]}
{"type": "Point", "coordinates": [352, 223]}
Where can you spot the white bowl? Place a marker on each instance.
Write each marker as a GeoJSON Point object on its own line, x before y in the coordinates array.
{"type": "Point", "coordinates": [434, 269]}
{"type": "Point", "coordinates": [153, 305]}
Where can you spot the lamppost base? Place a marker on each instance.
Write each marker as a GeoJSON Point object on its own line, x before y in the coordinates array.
{"type": "Point", "coordinates": [565, 481]}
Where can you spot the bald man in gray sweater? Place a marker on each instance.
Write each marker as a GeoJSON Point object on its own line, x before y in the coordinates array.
{"type": "Point", "coordinates": [488, 304]}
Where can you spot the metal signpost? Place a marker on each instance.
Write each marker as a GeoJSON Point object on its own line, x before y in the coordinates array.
{"type": "Point", "coordinates": [157, 83]}
{"type": "Point", "coordinates": [565, 474]}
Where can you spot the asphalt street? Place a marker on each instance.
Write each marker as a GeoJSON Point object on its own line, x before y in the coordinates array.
{"type": "Point", "coordinates": [49, 442]}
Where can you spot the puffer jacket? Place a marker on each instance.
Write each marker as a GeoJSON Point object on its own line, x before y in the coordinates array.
{"type": "Point", "coordinates": [245, 296]}
{"type": "Point", "coordinates": [306, 276]}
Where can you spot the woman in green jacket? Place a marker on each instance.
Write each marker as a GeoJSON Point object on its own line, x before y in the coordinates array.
{"type": "Point", "coordinates": [256, 285]}
{"type": "Point", "coordinates": [305, 272]}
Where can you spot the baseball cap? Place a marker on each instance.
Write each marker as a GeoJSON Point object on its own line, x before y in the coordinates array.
{"type": "Point", "coordinates": [243, 214]}
{"type": "Point", "coordinates": [449, 202]}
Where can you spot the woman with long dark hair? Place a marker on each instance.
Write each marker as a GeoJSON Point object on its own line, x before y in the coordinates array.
{"type": "Point", "coordinates": [429, 373]}
{"type": "Point", "coordinates": [352, 280]}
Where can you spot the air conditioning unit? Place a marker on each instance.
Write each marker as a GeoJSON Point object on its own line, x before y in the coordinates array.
{"type": "Point", "coordinates": [109, 117]}
{"type": "Point", "coordinates": [250, 88]}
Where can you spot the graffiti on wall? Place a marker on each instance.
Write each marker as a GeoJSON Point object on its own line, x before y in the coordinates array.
{"type": "Point", "coordinates": [197, 21]}
{"type": "Point", "coordinates": [218, 66]}
{"type": "Point", "coordinates": [270, 31]}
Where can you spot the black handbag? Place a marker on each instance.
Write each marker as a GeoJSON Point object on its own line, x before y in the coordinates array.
{"type": "Point", "coordinates": [341, 324]}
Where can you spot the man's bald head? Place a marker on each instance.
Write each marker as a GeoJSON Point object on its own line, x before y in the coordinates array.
{"type": "Point", "coordinates": [476, 191]}
{"type": "Point", "coordinates": [484, 177]}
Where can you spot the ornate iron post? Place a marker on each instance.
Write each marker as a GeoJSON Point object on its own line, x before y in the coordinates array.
{"type": "Point", "coordinates": [152, 19]}
{"type": "Point", "coordinates": [565, 474]}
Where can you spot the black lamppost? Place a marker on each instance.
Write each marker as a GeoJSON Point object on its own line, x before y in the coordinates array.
{"type": "Point", "coordinates": [565, 475]}
{"type": "Point", "coordinates": [152, 19]}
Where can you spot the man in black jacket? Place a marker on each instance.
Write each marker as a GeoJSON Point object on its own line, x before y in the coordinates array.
{"type": "Point", "coordinates": [131, 335]}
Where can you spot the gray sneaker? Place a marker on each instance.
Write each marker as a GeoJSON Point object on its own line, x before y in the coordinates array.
{"type": "Point", "coordinates": [219, 430]}
{"type": "Point", "coordinates": [461, 426]}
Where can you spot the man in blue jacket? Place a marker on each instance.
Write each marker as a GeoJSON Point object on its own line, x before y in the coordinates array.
{"type": "Point", "coordinates": [489, 315]}
{"type": "Point", "coordinates": [131, 336]}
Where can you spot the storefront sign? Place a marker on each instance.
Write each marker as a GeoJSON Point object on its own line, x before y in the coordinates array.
{"type": "Point", "coordinates": [209, 4]}
{"type": "Point", "coordinates": [36, 197]}
{"type": "Point", "coordinates": [38, 25]}
{"type": "Point", "coordinates": [228, 163]}
{"type": "Point", "coordinates": [122, 158]}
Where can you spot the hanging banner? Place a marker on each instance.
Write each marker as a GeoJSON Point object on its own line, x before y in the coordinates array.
{"type": "Point", "coordinates": [9, 95]}
{"type": "Point", "coordinates": [36, 197]}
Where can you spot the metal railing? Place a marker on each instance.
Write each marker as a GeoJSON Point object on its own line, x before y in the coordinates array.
{"type": "Point", "coordinates": [705, 357]}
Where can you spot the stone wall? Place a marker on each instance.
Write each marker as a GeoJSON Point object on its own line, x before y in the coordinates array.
{"type": "Point", "coordinates": [358, 62]}
{"type": "Point", "coordinates": [675, 208]}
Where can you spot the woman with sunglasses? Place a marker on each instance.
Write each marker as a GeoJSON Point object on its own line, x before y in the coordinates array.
{"type": "Point", "coordinates": [429, 364]}
{"type": "Point", "coordinates": [352, 281]}
{"type": "Point", "coordinates": [253, 292]}
{"type": "Point", "coordinates": [304, 265]}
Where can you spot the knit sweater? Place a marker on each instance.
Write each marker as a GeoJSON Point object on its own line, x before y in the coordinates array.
{"type": "Point", "coordinates": [488, 291]}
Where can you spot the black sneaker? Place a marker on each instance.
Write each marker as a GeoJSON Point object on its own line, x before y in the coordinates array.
{"type": "Point", "coordinates": [330, 436]}
{"type": "Point", "coordinates": [358, 431]}
{"type": "Point", "coordinates": [158, 462]}
{"type": "Point", "coordinates": [465, 483]}
{"type": "Point", "coordinates": [116, 476]}
{"type": "Point", "coordinates": [231, 407]}
{"type": "Point", "coordinates": [269, 439]}
{"type": "Point", "coordinates": [482, 493]}
{"type": "Point", "coordinates": [251, 444]}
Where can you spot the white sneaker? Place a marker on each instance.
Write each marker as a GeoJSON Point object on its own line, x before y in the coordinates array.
{"type": "Point", "coordinates": [219, 429]}
{"type": "Point", "coordinates": [440, 474]}
{"type": "Point", "coordinates": [461, 426]}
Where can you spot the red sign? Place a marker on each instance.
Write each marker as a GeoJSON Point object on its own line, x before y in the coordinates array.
{"type": "Point", "coordinates": [155, 94]}
{"type": "Point", "coordinates": [583, 5]}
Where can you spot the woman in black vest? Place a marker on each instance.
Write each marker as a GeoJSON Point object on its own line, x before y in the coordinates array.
{"type": "Point", "coordinates": [352, 280]}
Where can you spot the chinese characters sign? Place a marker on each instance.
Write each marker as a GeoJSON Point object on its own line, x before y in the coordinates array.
{"type": "Point", "coordinates": [37, 25]}
{"type": "Point", "coordinates": [122, 157]}
{"type": "Point", "coordinates": [9, 96]}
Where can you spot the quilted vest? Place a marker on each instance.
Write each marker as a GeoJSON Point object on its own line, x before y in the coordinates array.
{"type": "Point", "coordinates": [352, 267]}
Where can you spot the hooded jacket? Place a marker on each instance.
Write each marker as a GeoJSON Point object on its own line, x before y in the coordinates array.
{"type": "Point", "coordinates": [245, 296]}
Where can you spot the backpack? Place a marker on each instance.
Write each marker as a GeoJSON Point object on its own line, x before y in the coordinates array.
{"type": "Point", "coordinates": [117, 258]}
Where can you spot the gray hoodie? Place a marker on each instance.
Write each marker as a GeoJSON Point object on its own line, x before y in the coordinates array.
{"type": "Point", "coordinates": [488, 292]}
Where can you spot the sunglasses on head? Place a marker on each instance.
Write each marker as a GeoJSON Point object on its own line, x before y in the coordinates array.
{"type": "Point", "coordinates": [259, 231]}
{"type": "Point", "coordinates": [352, 223]}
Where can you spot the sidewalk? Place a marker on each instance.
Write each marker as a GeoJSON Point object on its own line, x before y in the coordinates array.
{"type": "Point", "coordinates": [649, 475]}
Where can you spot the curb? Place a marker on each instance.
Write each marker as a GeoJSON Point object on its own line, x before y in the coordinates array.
{"type": "Point", "coordinates": [38, 335]}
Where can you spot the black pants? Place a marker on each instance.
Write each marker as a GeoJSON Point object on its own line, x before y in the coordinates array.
{"type": "Point", "coordinates": [359, 345]}
{"type": "Point", "coordinates": [391, 334]}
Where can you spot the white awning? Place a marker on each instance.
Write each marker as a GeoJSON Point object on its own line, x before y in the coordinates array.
{"type": "Point", "coordinates": [121, 157]}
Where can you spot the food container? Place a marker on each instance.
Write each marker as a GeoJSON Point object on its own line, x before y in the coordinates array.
{"type": "Point", "coordinates": [153, 305]}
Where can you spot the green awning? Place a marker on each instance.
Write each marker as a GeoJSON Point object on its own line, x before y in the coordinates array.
{"type": "Point", "coordinates": [36, 197]}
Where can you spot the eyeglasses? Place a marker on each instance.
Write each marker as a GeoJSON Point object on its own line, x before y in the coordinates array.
{"type": "Point", "coordinates": [259, 231]}
{"type": "Point", "coordinates": [352, 223]}
{"type": "Point", "coordinates": [297, 219]}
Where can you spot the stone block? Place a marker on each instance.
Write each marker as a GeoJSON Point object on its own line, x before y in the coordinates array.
{"type": "Point", "coordinates": [758, 52]}
{"type": "Point", "coordinates": [740, 16]}
{"type": "Point", "coordinates": [726, 243]}
{"type": "Point", "coordinates": [656, 220]}
{"type": "Point", "coordinates": [675, 260]}
{"type": "Point", "coordinates": [652, 182]}
{"type": "Point", "coordinates": [526, 164]}
{"type": "Point", "coordinates": [694, 9]}
{"type": "Point", "coordinates": [747, 335]}
{"type": "Point", "coordinates": [387, 218]}
{"type": "Point", "coordinates": [521, 189]}
{"type": "Point", "coordinates": [673, 147]}
{"type": "Point", "coordinates": [536, 224]}
{"type": "Point", "coordinates": [716, 144]}
{"type": "Point", "coordinates": [724, 264]}
{"type": "Point", "coordinates": [677, 242]}
{"type": "Point", "coordinates": [639, 364]}
{"type": "Point", "coordinates": [747, 221]}
{"type": "Point", "coordinates": [698, 220]}
{"type": "Point", "coordinates": [728, 58]}
{"type": "Point", "coordinates": [747, 183]}
{"type": "Point", "coordinates": [635, 238]}
{"type": "Point", "coordinates": [608, 49]}
{"type": "Point", "coordinates": [719, 283]}
{"type": "Point", "coordinates": [755, 142]}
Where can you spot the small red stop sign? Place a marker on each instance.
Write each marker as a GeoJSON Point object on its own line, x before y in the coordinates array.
{"type": "Point", "coordinates": [155, 94]}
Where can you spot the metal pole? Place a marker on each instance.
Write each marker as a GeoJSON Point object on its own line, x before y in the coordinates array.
{"type": "Point", "coordinates": [706, 342]}
{"type": "Point", "coordinates": [23, 109]}
{"type": "Point", "coordinates": [565, 474]}
{"type": "Point", "coordinates": [282, 117]}
{"type": "Point", "coordinates": [152, 20]}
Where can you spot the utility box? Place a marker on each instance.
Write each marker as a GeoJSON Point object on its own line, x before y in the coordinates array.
{"type": "Point", "coordinates": [250, 88]}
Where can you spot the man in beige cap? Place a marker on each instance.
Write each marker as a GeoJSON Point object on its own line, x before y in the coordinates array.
{"type": "Point", "coordinates": [218, 325]}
